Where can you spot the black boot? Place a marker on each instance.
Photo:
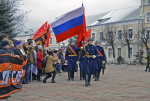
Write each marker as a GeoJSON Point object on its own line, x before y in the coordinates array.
{"type": "Point", "coordinates": [98, 79]}
{"type": "Point", "coordinates": [72, 76]}
{"type": "Point", "coordinates": [53, 78]}
{"type": "Point", "coordinates": [48, 76]}
{"type": "Point", "coordinates": [86, 80]}
{"type": "Point", "coordinates": [69, 75]}
{"type": "Point", "coordinates": [89, 80]}
{"type": "Point", "coordinates": [81, 74]}
{"type": "Point", "coordinates": [96, 75]}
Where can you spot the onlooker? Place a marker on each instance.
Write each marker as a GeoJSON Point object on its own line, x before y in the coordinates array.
{"type": "Point", "coordinates": [61, 57]}
{"type": "Point", "coordinates": [31, 59]}
{"type": "Point", "coordinates": [40, 58]}
{"type": "Point", "coordinates": [5, 49]}
{"type": "Point", "coordinates": [49, 67]}
{"type": "Point", "coordinates": [2, 38]}
{"type": "Point", "coordinates": [11, 47]}
{"type": "Point", "coordinates": [19, 50]}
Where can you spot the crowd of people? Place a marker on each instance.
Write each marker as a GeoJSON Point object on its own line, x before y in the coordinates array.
{"type": "Point", "coordinates": [88, 58]}
{"type": "Point", "coordinates": [36, 55]}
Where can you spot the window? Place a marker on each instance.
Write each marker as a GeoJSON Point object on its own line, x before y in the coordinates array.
{"type": "Point", "coordinates": [130, 52]}
{"type": "Point", "coordinates": [119, 52]}
{"type": "Point", "coordinates": [51, 41]}
{"type": "Point", "coordinates": [147, 35]}
{"type": "Point", "coordinates": [130, 33]}
{"type": "Point", "coordinates": [119, 34]}
{"type": "Point", "coordinates": [148, 17]}
{"type": "Point", "coordinates": [109, 52]}
{"type": "Point", "coordinates": [93, 36]}
{"type": "Point", "coordinates": [148, 1]}
{"type": "Point", "coordinates": [101, 35]}
{"type": "Point", "coordinates": [109, 35]}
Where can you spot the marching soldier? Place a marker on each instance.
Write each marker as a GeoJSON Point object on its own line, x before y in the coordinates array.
{"type": "Point", "coordinates": [148, 61]}
{"type": "Point", "coordinates": [71, 57]}
{"type": "Point", "coordinates": [81, 59]}
{"type": "Point", "coordinates": [99, 60]}
{"type": "Point", "coordinates": [89, 53]}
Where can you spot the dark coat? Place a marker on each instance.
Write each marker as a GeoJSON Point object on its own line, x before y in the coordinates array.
{"type": "Point", "coordinates": [89, 61]}
{"type": "Point", "coordinates": [1, 44]}
{"type": "Point", "coordinates": [18, 52]}
{"type": "Point", "coordinates": [71, 58]}
{"type": "Point", "coordinates": [4, 51]}
{"type": "Point", "coordinates": [99, 59]}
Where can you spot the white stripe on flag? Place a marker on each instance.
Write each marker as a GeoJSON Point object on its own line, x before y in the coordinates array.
{"type": "Point", "coordinates": [68, 16]}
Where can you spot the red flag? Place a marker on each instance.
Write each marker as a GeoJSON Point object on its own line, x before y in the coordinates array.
{"type": "Point", "coordinates": [40, 32]}
{"type": "Point", "coordinates": [88, 34]}
{"type": "Point", "coordinates": [81, 37]}
{"type": "Point", "coordinates": [49, 36]}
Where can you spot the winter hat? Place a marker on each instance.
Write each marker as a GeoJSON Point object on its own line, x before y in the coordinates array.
{"type": "Point", "coordinates": [18, 43]}
{"type": "Point", "coordinates": [5, 43]}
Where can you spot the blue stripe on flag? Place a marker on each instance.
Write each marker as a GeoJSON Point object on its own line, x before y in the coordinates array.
{"type": "Point", "coordinates": [68, 25]}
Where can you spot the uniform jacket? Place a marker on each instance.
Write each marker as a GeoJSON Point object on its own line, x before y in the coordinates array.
{"type": "Point", "coordinates": [89, 61]}
{"type": "Point", "coordinates": [69, 53]}
{"type": "Point", "coordinates": [40, 58]}
{"type": "Point", "coordinates": [49, 64]}
{"type": "Point", "coordinates": [103, 53]}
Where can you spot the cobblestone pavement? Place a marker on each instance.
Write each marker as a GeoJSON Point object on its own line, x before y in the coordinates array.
{"type": "Point", "coordinates": [120, 83]}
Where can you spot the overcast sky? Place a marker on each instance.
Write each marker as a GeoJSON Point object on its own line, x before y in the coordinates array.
{"type": "Point", "coordinates": [47, 10]}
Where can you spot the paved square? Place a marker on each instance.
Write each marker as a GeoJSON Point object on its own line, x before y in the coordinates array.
{"type": "Point", "coordinates": [120, 83]}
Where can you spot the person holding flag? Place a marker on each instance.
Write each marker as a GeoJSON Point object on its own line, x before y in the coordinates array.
{"type": "Point", "coordinates": [99, 60]}
{"type": "Point", "coordinates": [90, 53]}
{"type": "Point", "coordinates": [81, 59]}
{"type": "Point", "coordinates": [71, 57]}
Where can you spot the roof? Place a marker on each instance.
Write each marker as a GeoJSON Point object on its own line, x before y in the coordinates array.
{"type": "Point", "coordinates": [125, 14]}
{"type": "Point", "coordinates": [92, 18]}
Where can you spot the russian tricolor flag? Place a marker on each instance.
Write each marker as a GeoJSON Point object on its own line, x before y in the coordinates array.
{"type": "Point", "coordinates": [69, 24]}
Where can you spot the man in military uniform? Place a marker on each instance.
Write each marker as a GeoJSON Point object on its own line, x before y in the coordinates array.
{"type": "Point", "coordinates": [148, 61]}
{"type": "Point", "coordinates": [89, 53]}
{"type": "Point", "coordinates": [71, 57]}
{"type": "Point", "coordinates": [81, 59]}
{"type": "Point", "coordinates": [99, 60]}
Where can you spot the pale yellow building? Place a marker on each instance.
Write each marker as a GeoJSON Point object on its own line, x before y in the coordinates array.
{"type": "Point", "coordinates": [123, 23]}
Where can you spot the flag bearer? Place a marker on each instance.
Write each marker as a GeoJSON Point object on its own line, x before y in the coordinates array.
{"type": "Point", "coordinates": [90, 53]}
{"type": "Point", "coordinates": [71, 57]}
{"type": "Point", "coordinates": [99, 60]}
{"type": "Point", "coordinates": [81, 59]}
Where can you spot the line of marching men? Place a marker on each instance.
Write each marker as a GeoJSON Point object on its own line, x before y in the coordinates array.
{"type": "Point", "coordinates": [89, 57]}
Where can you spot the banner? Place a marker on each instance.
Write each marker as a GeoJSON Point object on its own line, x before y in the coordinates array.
{"type": "Point", "coordinates": [12, 72]}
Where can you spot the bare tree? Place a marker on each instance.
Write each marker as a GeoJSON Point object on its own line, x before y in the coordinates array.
{"type": "Point", "coordinates": [109, 37]}
{"type": "Point", "coordinates": [145, 38]}
{"type": "Point", "coordinates": [128, 37]}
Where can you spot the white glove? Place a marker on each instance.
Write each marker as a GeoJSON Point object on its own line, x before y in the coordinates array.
{"type": "Point", "coordinates": [66, 61]}
{"type": "Point", "coordinates": [94, 56]}
{"type": "Point", "coordinates": [103, 62]}
{"type": "Point", "coordinates": [81, 47]}
{"type": "Point", "coordinates": [77, 62]}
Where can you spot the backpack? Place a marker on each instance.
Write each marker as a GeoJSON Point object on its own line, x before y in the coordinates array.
{"type": "Point", "coordinates": [44, 62]}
